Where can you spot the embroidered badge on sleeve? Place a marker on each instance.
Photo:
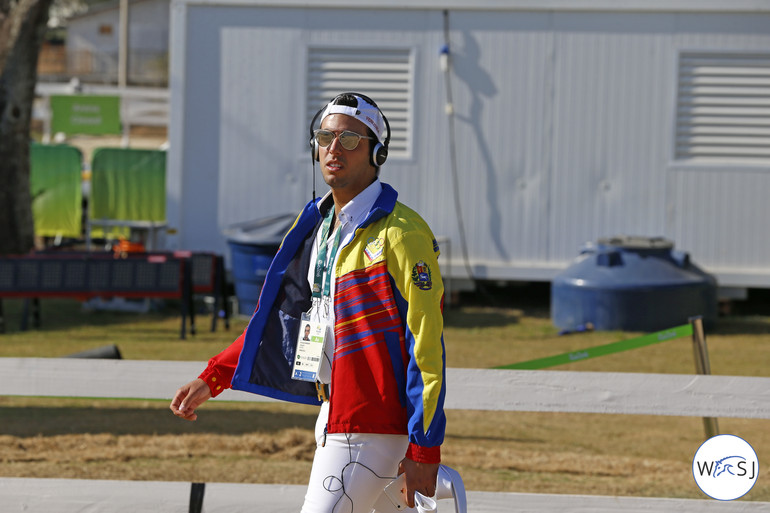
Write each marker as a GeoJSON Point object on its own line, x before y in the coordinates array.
{"type": "Point", "coordinates": [421, 276]}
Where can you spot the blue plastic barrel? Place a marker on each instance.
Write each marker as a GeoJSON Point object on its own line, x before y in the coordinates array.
{"type": "Point", "coordinates": [632, 284]}
{"type": "Point", "coordinates": [250, 263]}
{"type": "Point", "coordinates": [253, 244]}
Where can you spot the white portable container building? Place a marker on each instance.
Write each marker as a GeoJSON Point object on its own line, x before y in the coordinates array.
{"type": "Point", "coordinates": [93, 42]}
{"type": "Point", "coordinates": [571, 121]}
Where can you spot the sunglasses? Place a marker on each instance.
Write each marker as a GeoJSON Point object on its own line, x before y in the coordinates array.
{"type": "Point", "coordinates": [349, 140]}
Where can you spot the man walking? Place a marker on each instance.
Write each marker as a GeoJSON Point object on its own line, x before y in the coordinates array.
{"type": "Point", "coordinates": [361, 270]}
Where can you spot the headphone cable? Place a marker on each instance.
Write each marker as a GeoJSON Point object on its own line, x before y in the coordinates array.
{"type": "Point", "coordinates": [446, 67]}
{"type": "Point", "coordinates": [450, 112]}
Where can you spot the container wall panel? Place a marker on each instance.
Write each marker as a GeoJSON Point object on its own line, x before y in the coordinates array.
{"type": "Point", "coordinates": [612, 75]}
{"type": "Point", "coordinates": [261, 82]}
{"type": "Point", "coordinates": [565, 129]}
{"type": "Point", "coordinates": [718, 211]}
{"type": "Point", "coordinates": [501, 82]}
{"type": "Point", "coordinates": [719, 216]}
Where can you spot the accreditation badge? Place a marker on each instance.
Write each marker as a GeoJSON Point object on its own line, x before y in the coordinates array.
{"type": "Point", "coordinates": [310, 349]}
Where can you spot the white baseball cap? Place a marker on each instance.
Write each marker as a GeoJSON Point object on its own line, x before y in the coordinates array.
{"type": "Point", "coordinates": [365, 112]}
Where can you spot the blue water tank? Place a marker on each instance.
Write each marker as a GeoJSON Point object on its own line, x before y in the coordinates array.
{"type": "Point", "coordinates": [253, 245]}
{"type": "Point", "coordinates": [632, 284]}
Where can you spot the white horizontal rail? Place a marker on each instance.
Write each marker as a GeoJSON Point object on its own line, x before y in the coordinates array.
{"type": "Point", "coordinates": [609, 392]}
{"type": "Point", "coordinates": [152, 93]}
{"type": "Point", "coordinates": [642, 6]}
{"type": "Point", "coordinates": [471, 389]}
{"type": "Point", "coordinates": [119, 379]}
{"type": "Point", "coordinates": [79, 496]}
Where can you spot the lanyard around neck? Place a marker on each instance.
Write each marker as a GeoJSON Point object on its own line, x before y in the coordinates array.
{"type": "Point", "coordinates": [322, 264]}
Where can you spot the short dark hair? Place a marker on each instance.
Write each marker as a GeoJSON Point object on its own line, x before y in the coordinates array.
{"type": "Point", "coordinates": [346, 99]}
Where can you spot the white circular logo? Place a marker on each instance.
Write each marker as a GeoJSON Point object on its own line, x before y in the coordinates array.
{"type": "Point", "coordinates": [725, 467]}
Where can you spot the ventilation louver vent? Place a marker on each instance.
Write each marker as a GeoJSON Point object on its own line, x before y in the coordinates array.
{"type": "Point", "coordinates": [723, 107]}
{"type": "Point", "coordinates": [385, 75]}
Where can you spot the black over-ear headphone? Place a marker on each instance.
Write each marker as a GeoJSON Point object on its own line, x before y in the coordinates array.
{"type": "Point", "coordinates": [380, 150]}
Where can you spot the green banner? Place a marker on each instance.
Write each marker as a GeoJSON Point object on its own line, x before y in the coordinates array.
{"type": "Point", "coordinates": [593, 352]}
{"type": "Point", "coordinates": [127, 185]}
{"type": "Point", "coordinates": [80, 114]}
{"type": "Point", "coordinates": [56, 187]}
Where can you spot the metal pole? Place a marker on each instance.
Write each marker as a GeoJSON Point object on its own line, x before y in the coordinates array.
{"type": "Point", "coordinates": [47, 119]}
{"type": "Point", "coordinates": [123, 45]}
{"type": "Point", "coordinates": [702, 366]}
{"type": "Point", "coordinates": [197, 491]}
{"type": "Point", "coordinates": [123, 66]}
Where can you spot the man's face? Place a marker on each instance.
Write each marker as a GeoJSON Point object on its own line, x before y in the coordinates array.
{"type": "Point", "coordinates": [307, 330]}
{"type": "Point", "coordinates": [346, 171]}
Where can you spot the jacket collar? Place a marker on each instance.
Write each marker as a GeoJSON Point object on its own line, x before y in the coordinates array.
{"type": "Point", "coordinates": [383, 205]}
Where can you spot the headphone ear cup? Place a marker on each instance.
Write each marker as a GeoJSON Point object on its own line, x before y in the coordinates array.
{"type": "Point", "coordinates": [314, 153]}
{"type": "Point", "coordinates": [379, 154]}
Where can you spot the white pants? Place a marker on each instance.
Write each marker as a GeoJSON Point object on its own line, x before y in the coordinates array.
{"type": "Point", "coordinates": [350, 470]}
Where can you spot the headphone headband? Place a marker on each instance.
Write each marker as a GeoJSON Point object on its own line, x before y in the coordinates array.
{"type": "Point", "coordinates": [380, 150]}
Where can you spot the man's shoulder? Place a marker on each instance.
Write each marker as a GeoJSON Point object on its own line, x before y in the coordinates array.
{"type": "Point", "coordinates": [404, 221]}
{"type": "Point", "coordinates": [406, 217]}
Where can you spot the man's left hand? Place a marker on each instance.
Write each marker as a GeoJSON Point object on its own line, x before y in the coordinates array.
{"type": "Point", "coordinates": [420, 477]}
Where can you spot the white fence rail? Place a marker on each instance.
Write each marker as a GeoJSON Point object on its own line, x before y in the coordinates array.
{"type": "Point", "coordinates": [467, 389]}
{"type": "Point", "coordinates": [476, 389]}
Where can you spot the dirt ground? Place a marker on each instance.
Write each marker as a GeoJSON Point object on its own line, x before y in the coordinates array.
{"type": "Point", "coordinates": [502, 451]}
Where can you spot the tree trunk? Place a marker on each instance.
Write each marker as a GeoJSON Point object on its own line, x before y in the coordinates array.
{"type": "Point", "coordinates": [22, 27]}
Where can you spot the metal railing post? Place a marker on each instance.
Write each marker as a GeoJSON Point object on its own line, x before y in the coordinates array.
{"type": "Point", "coordinates": [702, 366]}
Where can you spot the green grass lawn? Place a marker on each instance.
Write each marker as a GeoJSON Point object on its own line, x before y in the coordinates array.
{"type": "Point", "coordinates": [66, 328]}
{"type": "Point", "coordinates": [475, 337]}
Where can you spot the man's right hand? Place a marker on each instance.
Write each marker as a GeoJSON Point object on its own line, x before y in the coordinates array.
{"type": "Point", "coordinates": [189, 397]}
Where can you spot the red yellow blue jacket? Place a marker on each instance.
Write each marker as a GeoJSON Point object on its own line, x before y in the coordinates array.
{"type": "Point", "coordinates": [388, 371]}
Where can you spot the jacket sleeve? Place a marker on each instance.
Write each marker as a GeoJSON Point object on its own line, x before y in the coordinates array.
{"type": "Point", "coordinates": [413, 265]}
{"type": "Point", "coordinates": [219, 372]}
